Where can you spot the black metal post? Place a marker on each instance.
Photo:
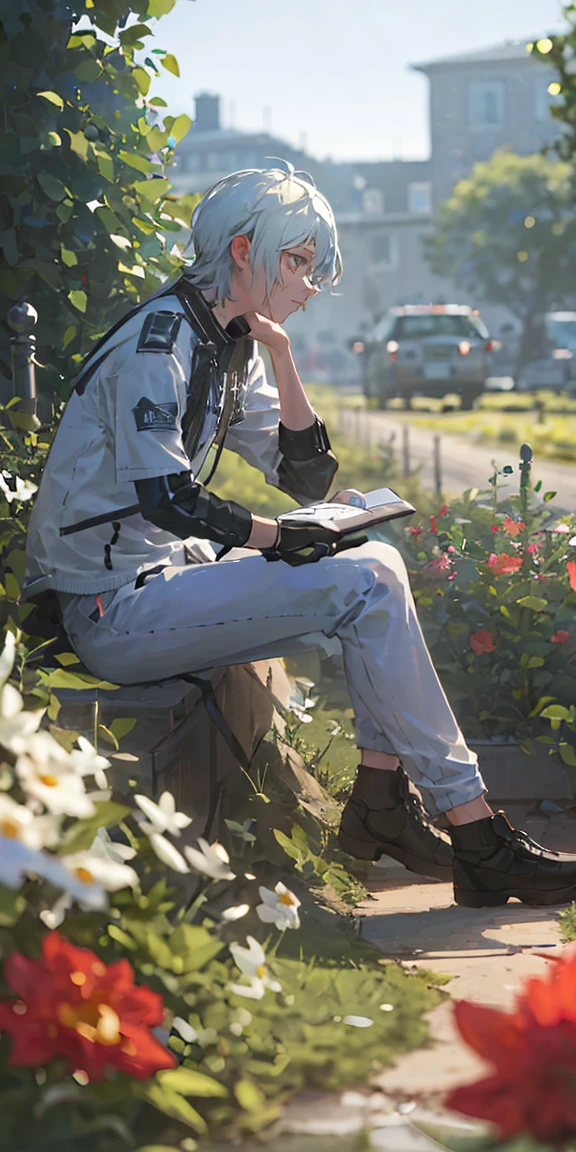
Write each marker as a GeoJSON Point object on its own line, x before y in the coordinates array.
{"type": "Point", "coordinates": [22, 319]}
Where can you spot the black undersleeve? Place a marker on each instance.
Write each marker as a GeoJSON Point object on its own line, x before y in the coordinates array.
{"type": "Point", "coordinates": [184, 508]}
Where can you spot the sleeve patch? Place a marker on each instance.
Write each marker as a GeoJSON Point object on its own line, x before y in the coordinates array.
{"type": "Point", "coordinates": [159, 332]}
{"type": "Point", "coordinates": [152, 417]}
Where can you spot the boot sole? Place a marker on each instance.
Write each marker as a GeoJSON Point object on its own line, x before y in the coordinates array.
{"type": "Point", "coordinates": [374, 849]}
{"type": "Point", "coordinates": [468, 899]}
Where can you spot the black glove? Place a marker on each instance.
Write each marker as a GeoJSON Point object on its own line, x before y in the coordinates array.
{"type": "Point", "coordinates": [302, 544]}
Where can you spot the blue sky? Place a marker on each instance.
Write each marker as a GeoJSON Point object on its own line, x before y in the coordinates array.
{"type": "Point", "coordinates": [333, 74]}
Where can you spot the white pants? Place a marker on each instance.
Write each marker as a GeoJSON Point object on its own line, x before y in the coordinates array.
{"type": "Point", "coordinates": [206, 615]}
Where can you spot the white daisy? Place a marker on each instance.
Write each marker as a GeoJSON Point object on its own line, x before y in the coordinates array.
{"type": "Point", "coordinates": [87, 762]}
{"type": "Point", "coordinates": [45, 773]}
{"type": "Point", "coordinates": [252, 963]}
{"type": "Point", "coordinates": [17, 822]}
{"type": "Point", "coordinates": [96, 868]}
{"type": "Point", "coordinates": [213, 860]}
{"type": "Point", "coordinates": [167, 853]}
{"type": "Point", "coordinates": [234, 913]}
{"type": "Point", "coordinates": [17, 860]}
{"type": "Point", "coordinates": [163, 816]}
{"type": "Point", "coordinates": [7, 656]}
{"type": "Point", "coordinates": [279, 907]}
{"type": "Point", "coordinates": [24, 489]}
{"type": "Point", "coordinates": [16, 725]}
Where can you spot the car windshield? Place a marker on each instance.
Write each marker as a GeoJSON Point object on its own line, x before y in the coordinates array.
{"type": "Point", "coordinates": [562, 333]}
{"type": "Point", "coordinates": [416, 327]}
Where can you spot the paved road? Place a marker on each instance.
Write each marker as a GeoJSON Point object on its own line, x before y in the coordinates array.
{"type": "Point", "coordinates": [464, 464]}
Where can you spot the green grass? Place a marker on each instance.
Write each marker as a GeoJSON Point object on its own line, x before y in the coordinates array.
{"type": "Point", "coordinates": [506, 419]}
{"type": "Point", "coordinates": [568, 924]}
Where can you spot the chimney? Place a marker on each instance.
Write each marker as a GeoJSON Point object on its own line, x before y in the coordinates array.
{"type": "Point", "coordinates": [207, 113]}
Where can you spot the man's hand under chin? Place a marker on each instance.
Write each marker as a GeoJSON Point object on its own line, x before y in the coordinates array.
{"type": "Point", "coordinates": [267, 332]}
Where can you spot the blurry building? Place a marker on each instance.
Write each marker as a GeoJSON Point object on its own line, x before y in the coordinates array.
{"type": "Point", "coordinates": [479, 101]}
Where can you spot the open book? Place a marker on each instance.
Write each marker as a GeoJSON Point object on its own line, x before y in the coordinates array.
{"type": "Point", "coordinates": [381, 505]}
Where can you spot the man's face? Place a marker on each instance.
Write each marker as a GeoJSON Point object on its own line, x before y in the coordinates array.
{"type": "Point", "coordinates": [292, 291]}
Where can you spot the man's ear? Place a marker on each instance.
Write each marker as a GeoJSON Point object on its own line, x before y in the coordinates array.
{"type": "Point", "coordinates": [240, 251]}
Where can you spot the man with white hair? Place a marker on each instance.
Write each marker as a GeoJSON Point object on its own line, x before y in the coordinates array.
{"type": "Point", "coordinates": [125, 531]}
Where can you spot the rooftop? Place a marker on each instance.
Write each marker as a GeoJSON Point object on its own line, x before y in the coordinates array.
{"type": "Point", "coordinates": [512, 50]}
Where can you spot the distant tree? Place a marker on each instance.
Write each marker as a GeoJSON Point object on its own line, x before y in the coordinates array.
{"type": "Point", "coordinates": [560, 52]}
{"type": "Point", "coordinates": [508, 236]}
{"type": "Point", "coordinates": [85, 204]}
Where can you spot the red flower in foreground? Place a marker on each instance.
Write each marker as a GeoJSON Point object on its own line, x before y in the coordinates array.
{"type": "Point", "coordinates": [71, 1005]}
{"type": "Point", "coordinates": [482, 641]}
{"type": "Point", "coordinates": [444, 510]}
{"type": "Point", "coordinates": [533, 1054]}
{"type": "Point", "coordinates": [571, 570]}
{"type": "Point", "coordinates": [433, 525]}
{"type": "Point", "coordinates": [503, 564]}
{"type": "Point", "coordinates": [559, 637]}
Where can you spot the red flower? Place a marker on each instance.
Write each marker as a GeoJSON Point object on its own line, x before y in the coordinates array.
{"type": "Point", "coordinates": [532, 549]}
{"type": "Point", "coordinates": [512, 527]}
{"type": "Point", "coordinates": [416, 531]}
{"type": "Point", "coordinates": [533, 1054]}
{"type": "Point", "coordinates": [571, 570]}
{"type": "Point", "coordinates": [444, 510]}
{"type": "Point", "coordinates": [73, 1006]}
{"type": "Point", "coordinates": [559, 637]}
{"type": "Point", "coordinates": [433, 525]}
{"type": "Point", "coordinates": [482, 641]}
{"type": "Point", "coordinates": [437, 569]}
{"type": "Point", "coordinates": [495, 528]}
{"type": "Point", "coordinates": [503, 564]}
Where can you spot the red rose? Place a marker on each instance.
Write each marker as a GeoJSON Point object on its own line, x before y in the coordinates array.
{"type": "Point", "coordinates": [559, 637]}
{"type": "Point", "coordinates": [71, 1005]}
{"type": "Point", "coordinates": [532, 1051]}
{"type": "Point", "coordinates": [482, 641]}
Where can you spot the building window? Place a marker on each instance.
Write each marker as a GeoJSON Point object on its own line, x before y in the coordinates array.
{"type": "Point", "coordinates": [383, 252]}
{"type": "Point", "coordinates": [420, 197]}
{"type": "Point", "coordinates": [543, 102]}
{"type": "Point", "coordinates": [486, 104]}
{"type": "Point", "coordinates": [373, 202]}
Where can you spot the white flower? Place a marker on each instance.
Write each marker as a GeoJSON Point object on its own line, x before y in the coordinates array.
{"type": "Point", "coordinates": [15, 724]}
{"type": "Point", "coordinates": [163, 816]}
{"type": "Point", "coordinates": [45, 773]}
{"type": "Point", "coordinates": [87, 762]}
{"type": "Point", "coordinates": [7, 656]}
{"type": "Point", "coordinates": [358, 1021]}
{"type": "Point", "coordinates": [18, 822]}
{"type": "Point", "coordinates": [53, 917]}
{"type": "Point", "coordinates": [17, 860]}
{"type": "Point", "coordinates": [280, 907]}
{"type": "Point", "coordinates": [167, 853]}
{"type": "Point", "coordinates": [235, 913]}
{"type": "Point", "coordinates": [25, 489]}
{"type": "Point", "coordinates": [95, 868]}
{"type": "Point", "coordinates": [111, 849]}
{"type": "Point", "coordinates": [184, 1029]}
{"type": "Point", "coordinates": [252, 963]}
{"type": "Point", "coordinates": [212, 860]}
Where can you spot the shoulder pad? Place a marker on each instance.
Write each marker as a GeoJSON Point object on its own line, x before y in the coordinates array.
{"type": "Point", "coordinates": [159, 332]}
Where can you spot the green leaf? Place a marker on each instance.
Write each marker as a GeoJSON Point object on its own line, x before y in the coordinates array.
{"type": "Point", "coordinates": [175, 1106]}
{"type": "Point", "coordinates": [121, 727]}
{"type": "Point", "coordinates": [156, 139]}
{"type": "Point", "coordinates": [536, 603]}
{"type": "Point", "coordinates": [288, 845]}
{"type": "Point", "coordinates": [122, 937]}
{"type": "Point", "coordinates": [159, 8]}
{"type": "Point", "coordinates": [81, 835]}
{"type": "Point", "coordinates": [549, 496]}
{"type": "Point", "coordinates": [152, 190]}
{"type": "Point", "coordinates": [195, 946]}
{"type": "Point", "coordinates": [12, 586]}
{"type": "Point", "coordinates": [16, 561]}
{"type": "Point", "coordinates": [12, 905]}
{"type": "Point", "coordinates": [53, 98]}
{"type": "Point", "coordinates": [157, 101]}
{"type": "Point", "coordinates": [78, 299]}
{"type": "Point", "coordinates": [67, 658]}
{"type": "Point", "coordinates": [170, 63]}
{"type": "Point", "coordinates": [53, 187]}
{"type": "Point", "coordinates": [188, 1082]}
{"type": "Point", "coordinates": [180, 127]}
{"type": "Point", "coordinates": [68, 335]}
{"type": "Point", "coordinates": [249, 1096]}
{"type": "Point", "coordinates": [68, 258]}
{"type": "Point", "coordinates": [142, 79]}
{"type": "Point", "coordinates": [77, 680]}
{"type": "Point", "coordinates": [134, 160]}
{"type": "Point", "coordinates": [568, 754]}
{"type": "Point", "coordinates": [556, 712]}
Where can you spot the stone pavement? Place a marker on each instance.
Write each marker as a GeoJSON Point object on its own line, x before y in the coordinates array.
{"type": "Point", "coordinates": [488, 952]}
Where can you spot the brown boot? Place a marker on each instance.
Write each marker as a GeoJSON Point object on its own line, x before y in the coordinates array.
{"type": "Point", "coordinates": [384, 818]}
{"type": "Point", "coordinates": [494, 861]}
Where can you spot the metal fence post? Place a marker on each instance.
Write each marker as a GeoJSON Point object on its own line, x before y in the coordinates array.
{"type": "Point", "coordinates": [405, 450]}
{"type": "Point", "coordinates": [437, 466]}
{"type": "Point", "coordinates": [22, 319]}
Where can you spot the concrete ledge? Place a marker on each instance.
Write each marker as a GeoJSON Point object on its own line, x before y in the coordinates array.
{"type": "Point", "coordinates": [511, 774]}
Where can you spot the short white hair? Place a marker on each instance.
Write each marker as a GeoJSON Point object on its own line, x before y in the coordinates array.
{"type": "Point", "coordinates": [277, 210]}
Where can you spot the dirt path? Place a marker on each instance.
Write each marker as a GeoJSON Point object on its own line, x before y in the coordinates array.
{"type": "Point", "coordinates": [464, 464]}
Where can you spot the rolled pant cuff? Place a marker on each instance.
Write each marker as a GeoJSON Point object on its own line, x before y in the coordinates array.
{"type": "Point", "coordinates": [441, 797]}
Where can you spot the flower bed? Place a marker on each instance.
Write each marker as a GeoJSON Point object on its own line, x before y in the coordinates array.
{"type": "Point", "coordinates": [495, 584]}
